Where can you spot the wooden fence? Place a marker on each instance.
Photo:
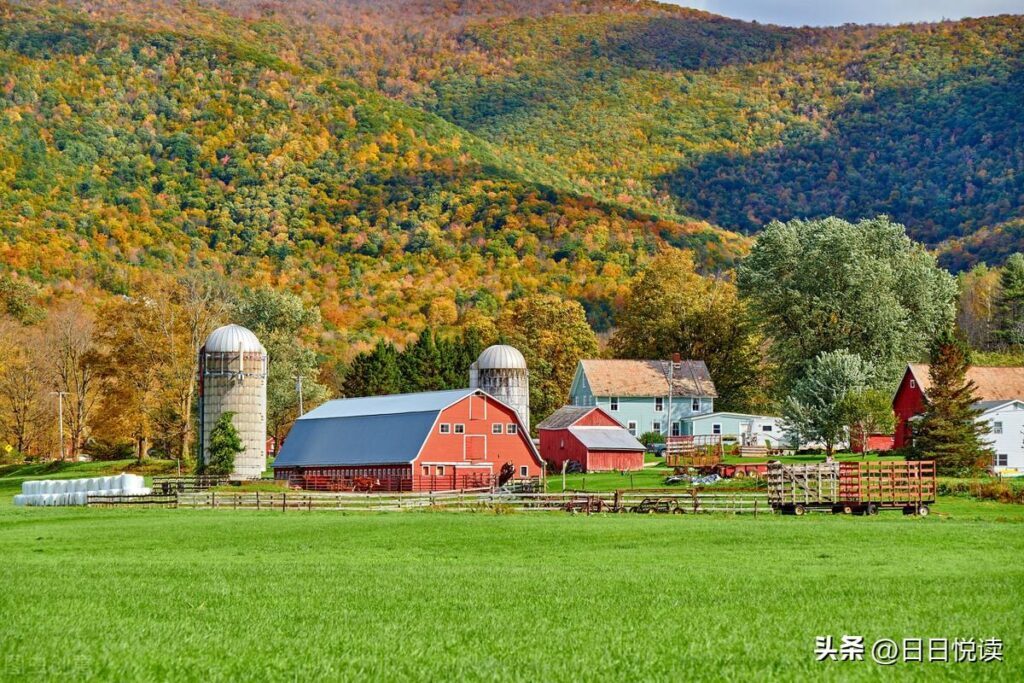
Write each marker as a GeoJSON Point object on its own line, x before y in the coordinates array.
{"type": "Point", "coordinates": [690, 502]}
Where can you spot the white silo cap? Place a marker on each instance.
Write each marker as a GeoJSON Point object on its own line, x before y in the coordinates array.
{"type": "Point", "coordinates": [231, 339]}
{"type": "Point", "coordinates": [501, 356]}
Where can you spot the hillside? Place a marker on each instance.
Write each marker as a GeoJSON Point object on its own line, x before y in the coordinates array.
{"type": "Point", "coordinates": [128, 146]}
{"type": "Point", "coordinates": [405, 162]}
{"type": "Point", "coordinates": [686, 114]}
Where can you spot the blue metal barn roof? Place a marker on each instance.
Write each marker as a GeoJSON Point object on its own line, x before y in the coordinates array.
{"type": "Point", "coordinates": [376, 430]}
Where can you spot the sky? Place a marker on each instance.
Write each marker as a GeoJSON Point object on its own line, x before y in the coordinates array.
{"type": "Point", "coordinates": [835, 12]}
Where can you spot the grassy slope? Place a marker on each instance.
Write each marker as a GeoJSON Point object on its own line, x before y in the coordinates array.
{"type": "Point", "coordinates": [215, 596]}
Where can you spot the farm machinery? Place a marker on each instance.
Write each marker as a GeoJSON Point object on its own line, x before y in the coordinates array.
{"type": "Point", "coordinates": [863, 487]}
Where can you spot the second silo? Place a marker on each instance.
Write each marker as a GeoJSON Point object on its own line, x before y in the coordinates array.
{"type": "Point", "coordinates": [233, 378]}
{"type": "Point", "coordinates": [501, 372]}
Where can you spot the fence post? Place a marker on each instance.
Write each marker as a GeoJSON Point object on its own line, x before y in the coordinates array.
{"type": "Point", "coordinates": [213, 500]}
{"type": "Point", "coordinates": [257, 500]}
{"type": "Point", "coordinates": [284, 502]}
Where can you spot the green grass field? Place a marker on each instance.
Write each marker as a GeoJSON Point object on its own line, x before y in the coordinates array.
{"type": "Point", "coordinates": [229, 595]}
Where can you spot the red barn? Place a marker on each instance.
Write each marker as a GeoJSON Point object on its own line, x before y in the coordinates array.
{"type": "Point", "coordinates": [992, 384]}
{"type": "Point", "coordinates": [432, 441]}
{"type": "Point", "coordinates": [591, 437]}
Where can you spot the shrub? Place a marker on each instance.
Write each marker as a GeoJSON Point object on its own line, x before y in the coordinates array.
{"type": "Point", "coordinates": [647, 438]}
{"type": "Point", "coordinates": [224, 445]}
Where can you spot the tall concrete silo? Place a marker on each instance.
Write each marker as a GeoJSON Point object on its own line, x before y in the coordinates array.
{"type": "Point", "coordinates": [501, 372]}
{"type": "Point", "coordinates": [233, 377]}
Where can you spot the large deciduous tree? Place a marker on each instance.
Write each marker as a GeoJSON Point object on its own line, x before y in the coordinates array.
{"type": "Point", "coordinates": [868, 411]}
{"type": "Point", "coordinates": [68, 339]}
{"type": "Point", "coordinates": [824, 285]}
{"type": "Point", "coordinates": [950, 432]}
{"type": "Point", "coordinates": [670, 308]}
{"type": "Point", "coordinates": [817, 408]}
{"type": "Point", "coordinates": [553, 335]}
{"type": "Point", "coordinates": [976, 307]}
{"type": "Point", "coordinates": [1009, 307]}
{"type": "Point", "coordinates": [281, 320]}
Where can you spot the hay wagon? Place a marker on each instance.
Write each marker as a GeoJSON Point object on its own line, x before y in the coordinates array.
{"type": "Point", "coordinates": [862, 487]}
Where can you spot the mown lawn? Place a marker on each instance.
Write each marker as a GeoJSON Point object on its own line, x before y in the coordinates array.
{"type": "Point", "coordinates": [231, 595]}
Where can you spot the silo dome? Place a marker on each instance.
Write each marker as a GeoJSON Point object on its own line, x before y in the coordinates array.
{"type": "Point", "coordinates": [501, 356]}
{"type": "Point", "coordinates": [232, 339]}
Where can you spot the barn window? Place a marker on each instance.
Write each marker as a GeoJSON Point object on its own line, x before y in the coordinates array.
{"type": "Point", "coordinates": [426, 470]}
{"type": "Point", "coordinates": [631, 425]}
{"type": "Point", "coordinates": [440, 470]}
{"type": "Point", "coordinates": [460, 429]}
{"type": "Point", "coordinates": [1001, 460]}
{"type": "Point", "coordinates": [695, 405]}
{"type": "Point", "coordinates": [496, 428]}
{"type": "Point", "coordinates": [716, 428]}
{"type": "Point", "coordinates": [524, 471]}
{"type": "Point", "coordinates": [766, 428]}
{"type": "Point", "coordinates": [613, 403]}
{"type": "Point", "coordinates": [656, 426]}
{"type": "Point", "coordinates": [913, 384]}
{"type": "Point", "coordinates": [511, 428]}
{"type": "Point", "coordinates": [997, 427]}
{"type": "Point", "coordinates": [659, 404]}
{"type": "Point", "coordinates": [561, 443]}
{"type": "Point", "coordinates": [445, 428]}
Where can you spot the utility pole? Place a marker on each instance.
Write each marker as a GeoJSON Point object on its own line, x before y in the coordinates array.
{"type": "Point", "coordinates": [60, 419]}
{"type": "Point", "coordinates": [298, 388]}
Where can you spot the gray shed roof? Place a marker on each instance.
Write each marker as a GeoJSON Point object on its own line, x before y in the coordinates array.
{"type": "Point", "coordinates": [606, 438]}
{"type": "Point", "coordinates": [564, 417]}
{"type": "Point", "coordinates": [376, 430]}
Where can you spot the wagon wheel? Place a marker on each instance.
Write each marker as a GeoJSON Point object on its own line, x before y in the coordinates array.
{"type": "Point", "coordinates": [740, 474]}
{"type": "Point", "coordinates": [847, 509]}
{"type": "Point", "coordinates": [677, 510]}
{"type": "Point", "coordinates": [923, 510]}
{"type": "Point", "coordinates": [871, 509]}
{"type": "Point", "coordinates": [799, 510]}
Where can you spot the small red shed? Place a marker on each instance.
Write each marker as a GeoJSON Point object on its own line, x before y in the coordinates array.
{"type": "Point", "coordinates": [431, 441]}
{"type": "Point", "coordinates": [591, 437]}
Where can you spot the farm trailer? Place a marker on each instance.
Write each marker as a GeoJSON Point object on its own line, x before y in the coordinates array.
{"type": "Point", "coordinates": [862, 487]}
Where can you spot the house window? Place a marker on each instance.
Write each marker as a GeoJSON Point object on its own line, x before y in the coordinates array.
{"type": "Point", "coordinates": [524, 471]}
{"type": "Point", "coordinates": [716, 428]}
{"type": "Point", "coordinates": [913, 384]}
{"type": "Point", "coordinates": [766, 428]}
{"type": "Point", "coordinates": [656, 426]}
{"type": "Point", "coordinates": [445, 428]}
{"type": "Point", "coordinates": [659, 404]}
{"type": "Point", "coordinates": [440, 470]}
{"type": "Point", "coordinates": [695, 405]}
{"type": "Point", "coordinates": [460, 429]}
{"type": "Point", "coordinates": [1001, 460]}
{"type": "Point", "coordinates": [997, 427]}
{"type": "Point", "coordinates": [613, 403]}
{"type": "Point", "coordinates": [561, 443]}
{"type": "Point", "coordinates": [496, 428]}
{"type": "Point", "coordinates": [677, 429]}
{"type": "Point", "coordinates": [631, 426]}
{"type": "Point", "coordinates": [511, 428]}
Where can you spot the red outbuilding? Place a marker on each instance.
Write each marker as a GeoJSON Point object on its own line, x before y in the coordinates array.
{"type": "Point", "coordinates": [590, 437]}
{"type": "Point", "coordinates": [991, 384]}
{"type": "Point", "coordinates": [431, 441]}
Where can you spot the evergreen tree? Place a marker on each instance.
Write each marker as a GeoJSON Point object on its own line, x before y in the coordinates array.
{"type": "Point", "coordinates": [950, 432]}
{"type": "Point", "coordinates": [374, 373]}
{"type": "Point", "coordinates": [1009, 311]}
{"type": "Point", "coordinates": [224, 445]}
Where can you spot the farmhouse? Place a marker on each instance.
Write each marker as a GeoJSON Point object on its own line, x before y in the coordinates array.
{"type": "Point", "coordinates": [646, 395]}
{"type": "Point", "coordinates": [590, 437]}
{"type": "Point", "coordinates": [432, 441]}
{"type": "Point", "coordinates": [1000, 393]}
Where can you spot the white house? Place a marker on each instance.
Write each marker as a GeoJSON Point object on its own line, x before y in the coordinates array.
{"type": "Point", "coordinates": [753, 430]}
{"type": "Point", "coordinates": [1006, 434]}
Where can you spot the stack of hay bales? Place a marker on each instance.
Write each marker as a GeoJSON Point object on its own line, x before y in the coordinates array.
{"type": "Point", "coordinates": [77, 491]}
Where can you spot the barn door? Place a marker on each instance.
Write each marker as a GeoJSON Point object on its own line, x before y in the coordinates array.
{"type": "Point", "coordinates": [476, 447]}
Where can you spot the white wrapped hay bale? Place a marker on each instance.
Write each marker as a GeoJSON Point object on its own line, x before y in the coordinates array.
{"type": "Point", "coordinates": [19, 499]}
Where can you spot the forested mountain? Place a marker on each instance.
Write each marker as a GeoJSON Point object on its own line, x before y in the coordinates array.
{"type": "Point", "coordinates": [400, 163]}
